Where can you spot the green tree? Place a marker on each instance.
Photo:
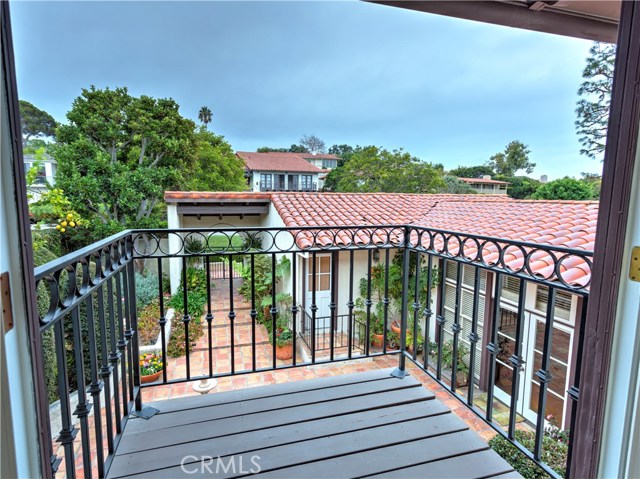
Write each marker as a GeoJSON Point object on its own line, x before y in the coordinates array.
{"type": "Point", "coordinates": [595, 99]}
{"type": "Point", "coordinates": [373, 169]}
{"type": "Point", "coordinates": [344, 152]}
{"type": "Point", "coordinates": [455, 186]}
{"type": "Point", "coordinates": [118, 155]}
{"type": "Point", "coordinates": [205, 116]}
{"type": "Point", "coordinates": [565, 189]}
{"type": "Point", "coordinates": [520, 187]}
{"type": "Point", "coordinates": [216, 167]}
{"type": "Point", "coordinates": [35, 122]}
{"type": "Point", "coordinates": [472, 171]}
{"type": "Point", "coordinates": [292, 149]}
{"type": "Point", "coordinates": [593, 179]}
{"type": "Point", "coordinates": [514, 158]}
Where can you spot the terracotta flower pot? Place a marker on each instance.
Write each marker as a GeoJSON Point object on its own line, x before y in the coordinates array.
{"type": "Point", "coordinates": [284, 352]}
{"type": "Point", "coordinates": [376, 340]}
{"type": "Point", "coordinates": [395, 327]}
{"type": "Point", "coordinates": [150, 378]}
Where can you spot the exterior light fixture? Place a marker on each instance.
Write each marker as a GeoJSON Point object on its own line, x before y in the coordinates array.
{"type": "Point", "coordinates": [376, 255]}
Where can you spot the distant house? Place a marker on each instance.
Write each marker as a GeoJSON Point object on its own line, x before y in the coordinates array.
{"type": "Point", "coordinates": [277, 171]}
{"type": "Point", "coordinates": [485, 185]}
{"type": "Point", "coordinates": [46, 173]}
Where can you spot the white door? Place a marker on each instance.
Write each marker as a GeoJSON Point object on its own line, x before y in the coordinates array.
{"type": "Point", "coordinates": [560, 358]}
{"type": "Point", "coordinates": [322, 289]}
{"type": "Point", "coordinates": [532, 349]}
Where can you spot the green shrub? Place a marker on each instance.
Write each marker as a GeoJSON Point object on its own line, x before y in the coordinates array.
{"type": "Point", "coordinates": [148, 327]}
{"type": "Point", "coordinates": [146, 289]}
{"type": "Point", "coordinates": [177, 343]}
{"type": "Point", "coordinates": [554, 452]}
{"type": "Point", "coordinates": [196, 302]}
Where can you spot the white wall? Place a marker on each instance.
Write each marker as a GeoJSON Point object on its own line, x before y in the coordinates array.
{"type": "Point", "coordinates": [621, 430]}
{"type": "Point", "coordinates": [19, 444]}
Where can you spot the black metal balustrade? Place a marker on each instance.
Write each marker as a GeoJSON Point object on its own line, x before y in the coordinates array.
{"type": "Point", "coordinates": [88, 308]}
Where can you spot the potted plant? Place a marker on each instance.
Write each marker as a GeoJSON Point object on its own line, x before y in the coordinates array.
{"type": "Point", "coordinates": [284, 343]}
{"type": "Point", "coordinates": [376, 331]}
{"type": "Point", "coordinates": [150, 367]}
{"type": "Point", "coordinates": [462, 373]}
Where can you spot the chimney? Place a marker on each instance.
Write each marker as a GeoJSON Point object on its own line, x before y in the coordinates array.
{"type": "Point", "coordinates": [486, 177]}
{"type": "Point", "coordinates": [543, 179]}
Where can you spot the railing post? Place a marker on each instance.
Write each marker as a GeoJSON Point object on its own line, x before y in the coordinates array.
{"type": "Point", "coordinates": [135, 346]}
{"type": "Point", "coordinates": [400, 372]}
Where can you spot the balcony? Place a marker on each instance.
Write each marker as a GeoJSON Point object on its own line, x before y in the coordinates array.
{"type": "Point", "coordinates": [293, 187]}
{"type": "Point", "coordinates": [457, 312]}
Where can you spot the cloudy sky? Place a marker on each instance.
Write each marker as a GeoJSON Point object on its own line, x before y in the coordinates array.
{"type": "Point", "coordinates": [447, 90]}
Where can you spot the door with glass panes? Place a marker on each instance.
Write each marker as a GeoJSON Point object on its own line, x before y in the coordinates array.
{"type": "Point", "coordinates": [531, 352]}
{"type": "Point", "coordinates": [322, 289]}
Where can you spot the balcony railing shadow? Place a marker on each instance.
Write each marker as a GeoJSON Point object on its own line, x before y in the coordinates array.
{"type": "Point", "coordinates": [435, 296]}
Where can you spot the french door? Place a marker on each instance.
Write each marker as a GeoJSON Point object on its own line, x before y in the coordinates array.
{"type": "Point", "coordinates": [532, 350]}
{"type": "Point", "coordinates": [322, 289]}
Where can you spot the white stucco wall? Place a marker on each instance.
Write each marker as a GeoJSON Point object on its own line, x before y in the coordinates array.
{"type": "Point", "coordinates": [18, 438]}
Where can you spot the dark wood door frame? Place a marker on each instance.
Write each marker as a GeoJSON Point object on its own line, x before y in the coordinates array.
{"type": "Point", "coordinates": [622, 139]}
{"type": "Point", "coordinates": [46, 456]}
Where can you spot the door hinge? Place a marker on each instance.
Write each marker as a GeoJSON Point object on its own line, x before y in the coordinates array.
{"type": "Point", "coordinates": [634, 269]}
{"type": "Point", "coordinates": [7, 310]}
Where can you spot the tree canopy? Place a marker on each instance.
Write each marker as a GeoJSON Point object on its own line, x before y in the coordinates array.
{"type": "Point", "coordinates": [375, 169]}
{"type": "Point", "coordinates": [455, 186]}
{"type": "Point", "coordinates": [205, 116]}
{"type": "Point", "coordinates": [292, 149]}
{"type": "Point", "coordinates": [595, 99]}
{"type": "Point", "coordinates": [35, 122]}
{"type": "Point", "coordinates": [565, 189]}
{"type": "Point", "coordinates": [313, 144]}
{"type": "Point", "coordinates": [514, 158]}
{"type": "Point", "coordinates": [520, 187]}
{"type": "Point", "coordinates": [119, 153]}
{"type": "Point", "coordinates": [215, 166]}
{"type": "Point", "coordinates": [472, 171]}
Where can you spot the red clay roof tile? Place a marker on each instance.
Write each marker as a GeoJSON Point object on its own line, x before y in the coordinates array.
{"type": "Point", "coordinates": [277, 161]}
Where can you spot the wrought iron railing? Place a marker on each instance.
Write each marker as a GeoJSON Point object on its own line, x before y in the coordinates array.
{"type": "Point", "coordinates": [317, 336]}
{"type": "Point", "coordinates": [389, 274]}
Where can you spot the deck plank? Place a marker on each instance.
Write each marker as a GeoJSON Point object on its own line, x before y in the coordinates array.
{"type": "Point", "coordinates": [383, 459]}
{"type": "Point", "coordinates": [322, 448]}
{"type": "Point", "coordinates": [243, 442]}
{"type": "Point", "coordinates": [190, 402]}
{"type": "Point", "coordinates": [270, 403]}
{"type": "Point", "coordinates": [135, 441]}
{"type": "Point", "coordinates": [355, 426]}
{"type": "Point", "coordinates": [475, 465]}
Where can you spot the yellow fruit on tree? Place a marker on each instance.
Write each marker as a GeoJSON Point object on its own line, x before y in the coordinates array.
{"type": "Point", "coordinates": [72, 224]}
{"type": "Point", "coordinates": [58, 227]}
{"type": "Point", "coordinates": [62, 230]}
{"type": "Point", "coordinates": [64, 223]}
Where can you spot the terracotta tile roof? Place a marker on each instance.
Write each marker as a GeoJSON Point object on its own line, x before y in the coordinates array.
{"type": "Point", "coordinates": [276, 161]}
{"type": "Point", "coordinates": [569, 224]}
{"type": "Point", "coordinates": [484, 181]}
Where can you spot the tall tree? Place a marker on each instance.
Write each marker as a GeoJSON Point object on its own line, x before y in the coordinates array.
{"type": "Point", "coordinates": [205, 116]}
{"type": "Point", "coordinates": [472, 171]}
{"type": "Point", "coordinates": [313, 144]}
{"type": "Point", "coordinates": [514, 158]}
{"type": "Point", "coordinates": [35, 122]}
{"type": "Point", "coordinates": [373, 169]}
{"type": "Point", "coordinates": [119, 153]}
{"type": "Point", "coordinates": [595, 102]}
{"type": "Point", "coordinates": [344, 152]}
{"type": "Point", "coordinates": [520, 187]}
{"type": "Point", "coordinates": [215, 167]}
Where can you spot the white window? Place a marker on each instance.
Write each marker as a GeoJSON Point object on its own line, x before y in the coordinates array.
{"type": "Point", "coordinates": [266, 182]}
{"type": "Point", "coordinates": [328, 163]}
{"type": "Point", "coordinates": [305, 182]}
{"type": "Point", "coordinates": [563, 302]}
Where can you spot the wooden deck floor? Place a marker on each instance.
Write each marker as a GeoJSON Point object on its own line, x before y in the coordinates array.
{"type": "Point", "coordinates": [359, 425]}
